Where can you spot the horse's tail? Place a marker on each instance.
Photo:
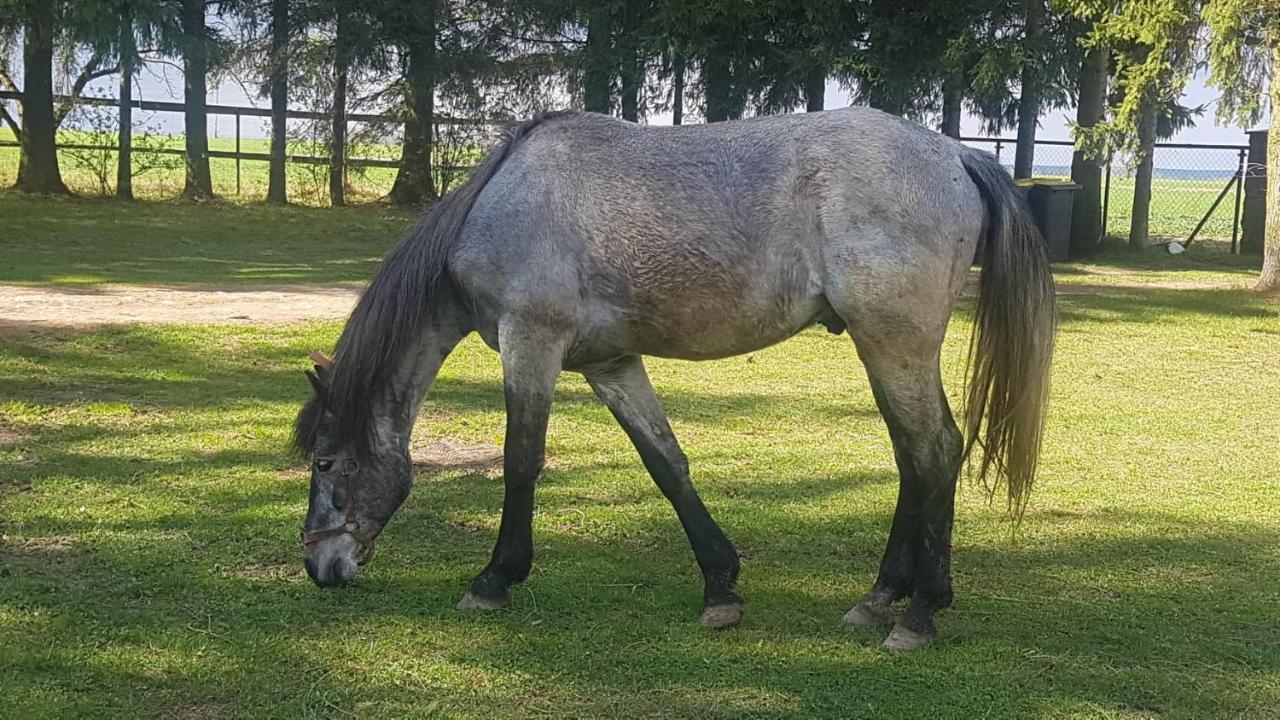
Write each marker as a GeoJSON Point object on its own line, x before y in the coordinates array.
{"type": "Point", "coordinates": [1012, 342]}
{"type": "Point", "coordinates": [393, 308]}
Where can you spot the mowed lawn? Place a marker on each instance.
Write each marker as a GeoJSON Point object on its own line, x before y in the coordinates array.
{"type": "Point", "coordinates": [149, 564]}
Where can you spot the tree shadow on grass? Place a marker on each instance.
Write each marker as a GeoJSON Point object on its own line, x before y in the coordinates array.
{"type": "Point", "coordinates": [1164, 306]}
{"type": "Point", "coordinates": [1117, 255]}
{"type": "Point", "coordinates": [1103, 619]}
{"type": "Point", "coordinates": [87, 241]}
{"type": "Point", "coordinates": [150, 370]}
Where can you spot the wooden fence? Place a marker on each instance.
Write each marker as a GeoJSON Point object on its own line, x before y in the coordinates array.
{"type": "Point", "coordinates": [239, 112]}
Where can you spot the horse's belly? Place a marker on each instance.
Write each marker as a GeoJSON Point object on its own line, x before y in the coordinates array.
{"type": "Point", "coordinates": [698, 332]}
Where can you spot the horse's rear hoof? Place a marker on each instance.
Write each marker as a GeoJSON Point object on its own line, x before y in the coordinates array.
{"type": "Point", "coordinates": [471, 601]}
{"type": "Point", "coordinates": [866, 615]}
{"type": "Point", "coordinates": [903, 638]}
{"type": "Point", "coordinates": [720, 616]}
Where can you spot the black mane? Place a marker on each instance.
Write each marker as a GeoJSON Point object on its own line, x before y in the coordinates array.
{"type": "Point", "coordinates": [392, 309]}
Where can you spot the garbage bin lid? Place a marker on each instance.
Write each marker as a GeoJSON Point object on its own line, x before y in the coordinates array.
{"type": "Point", "coordinates": [1054, 183]}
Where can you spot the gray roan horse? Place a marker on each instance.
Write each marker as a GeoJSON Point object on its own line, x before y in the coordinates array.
{"type": "Point", "coordinates": [584, 243]}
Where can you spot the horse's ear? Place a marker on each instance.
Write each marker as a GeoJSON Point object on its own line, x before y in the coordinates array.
{"type": "Point", "coordinates": [323, 365]}
{"type": "Point", "coordinates": [322, 390]}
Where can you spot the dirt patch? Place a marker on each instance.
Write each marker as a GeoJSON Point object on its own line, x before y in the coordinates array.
{"type": "Point", "coordinates": [23, 307]}
{"type": "Point", "coordinates": [452, 454]}
{"type": "Point", "coordinates": [266, 571]}
{"type": "Point", "coordinates": [40, 553]}
{"type": "Point", "coordinates": [28, 308]}
{"type": "Point", "coordinates": [9, 436]}
{"type": "Point", "coordinates": [202, 711]}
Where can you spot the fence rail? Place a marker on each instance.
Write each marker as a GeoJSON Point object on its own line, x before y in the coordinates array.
{"type": "Point", "coordinates": [247, 111]}
{"type": "Point", "coordinates": [240, 111]}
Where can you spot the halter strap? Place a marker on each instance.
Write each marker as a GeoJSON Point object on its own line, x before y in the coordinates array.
{"type": "Point", "coordinates": [351, 526]}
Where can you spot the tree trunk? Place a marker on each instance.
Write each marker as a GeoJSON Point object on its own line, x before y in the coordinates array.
{"type": "Point", "coordinates": [338, 129]}
{"type": "Point", "coordinates": [1139, 225]}
{"type": "Point", "coordinates": [1269, 280]}
{"type": "Point", "coordinates": [952, 95]}
{"type": "Point", "coordinates": [38, 170]}
{"type": "Point", "coordinates": [632, 76]}
{"type": "Point", "coordinates": [677, 88]}
{"type": "Point", "coordinates": [1029, 101]}
{"type": "Point", "coordinates": [815, 89]}
{"type": "Point", "coordinates": [887, 99]}
{"type": "Point", "coordinates": [717, 87]}
{"type": "Point", "coordinates": [195, 67]}
{"type": "Point", "coordinates": [1086, 211]}
{"type": "Point", "coordinates": [338, 144]}
{"type": "Point", "coordinates": [414, 184]}
{"type": "Point", "coordinates": [124, 152]}
{"type": "Point", "coordinates": [277, 187]}
{"type": "Point", "coordinates": [597, 65]}
{"type": "Point", "coordinates": [631, 67]}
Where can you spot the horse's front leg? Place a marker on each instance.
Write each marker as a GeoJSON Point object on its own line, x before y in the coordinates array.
{"type": "Point", "coordinates": [625, 388]}
{"type": "Point", "coordinates": [530, 363]}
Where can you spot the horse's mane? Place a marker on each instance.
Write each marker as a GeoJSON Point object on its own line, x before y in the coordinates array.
{"type": "Point", "coordinates": [392, 309]}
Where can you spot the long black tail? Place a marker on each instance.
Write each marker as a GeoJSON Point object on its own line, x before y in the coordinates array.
{"type": "Point", "coordinates": [1012, 342]}
{"type": "Point", "coordinates": [393, 308]}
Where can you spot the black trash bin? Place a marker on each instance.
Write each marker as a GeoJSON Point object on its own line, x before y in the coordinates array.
{"type": "Point", "coordinates": [1050, 202]}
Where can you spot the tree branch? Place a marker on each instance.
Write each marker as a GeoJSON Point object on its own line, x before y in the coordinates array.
{"type": "Point", "coordinates": [7, 81]}
{"type": "Point", "coordinates": [90, 73]}
{"type": "Point", "coordinates": [8, 119]}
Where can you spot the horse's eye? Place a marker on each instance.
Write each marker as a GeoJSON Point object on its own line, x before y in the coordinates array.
{"type": "Point", "coordinates": [324, 465]}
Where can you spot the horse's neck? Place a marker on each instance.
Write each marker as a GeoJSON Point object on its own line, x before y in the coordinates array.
{"type": "Point", "coordinates": [395, 409]}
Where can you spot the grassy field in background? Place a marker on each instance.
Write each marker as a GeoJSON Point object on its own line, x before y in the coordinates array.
{"type": "Point", "coordinates": [81, 241]}
{"type": "Point", "coordinates": [148, 514]}
{"type": "Point", "coordinates": [1176, 207]}
{"type": "Point", "coordinates": [308, 184]}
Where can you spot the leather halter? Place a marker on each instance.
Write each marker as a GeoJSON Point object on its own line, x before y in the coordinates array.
{"type": "Point", "coordinates": [351, 526]}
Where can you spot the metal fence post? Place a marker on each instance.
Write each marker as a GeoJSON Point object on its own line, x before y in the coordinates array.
{"type": "Point", "coordinates": [1253, 213]}
{"type": "Point", "coordinates": [237, 153]}
{"type": "Point", "coordinates": [1106, 198]}
{"type": "Point", "coordinates": [998, 150]}
{"type": "Point", "coordinates": [1235, 221]}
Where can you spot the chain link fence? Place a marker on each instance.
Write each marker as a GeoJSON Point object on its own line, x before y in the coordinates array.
{"type": "Point", "coordinates": [1194, 189]}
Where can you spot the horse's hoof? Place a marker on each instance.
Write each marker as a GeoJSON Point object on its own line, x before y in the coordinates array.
{"type": "Point", "coordinates": [903, 638]}
{"type": "Point", "coordinates": [720, 616]}
{"type": "Point", "coordinates": [866, 615]}
{"type": "Point", "coordinates": [471, 601]}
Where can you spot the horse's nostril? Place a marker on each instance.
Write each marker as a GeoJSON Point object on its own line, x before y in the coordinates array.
{"type": "Point", "coordinates": [313, 572]}
{"type": "Point", "coordinates": [341, 572]}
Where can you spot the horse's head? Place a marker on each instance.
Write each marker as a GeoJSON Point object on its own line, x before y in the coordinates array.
{"type": "Point", "coordinates": [355, 486]}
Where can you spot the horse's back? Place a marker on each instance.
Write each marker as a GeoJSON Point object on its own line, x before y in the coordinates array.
{"type": "Point", "coordinates": [699, 241]}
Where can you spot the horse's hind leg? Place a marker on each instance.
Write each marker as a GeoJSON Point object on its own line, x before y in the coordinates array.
{"type": "Point", "coordinates": [531, 360]}
{"type": "Point", "coordinates": [624, 386]}
{"type": "Point", "coordinates": [927, 445]}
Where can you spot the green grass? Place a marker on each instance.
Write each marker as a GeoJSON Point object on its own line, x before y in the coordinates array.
{"type": "Point", "coordinates": [148, 521]}
{"type": "Point", "coordinates": [80, 241]}
{"type": "Point", "coordinates": [307, 184]}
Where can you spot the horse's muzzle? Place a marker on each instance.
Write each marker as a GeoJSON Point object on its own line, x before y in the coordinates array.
{"type": "Point", "coordinates": [330, 570]}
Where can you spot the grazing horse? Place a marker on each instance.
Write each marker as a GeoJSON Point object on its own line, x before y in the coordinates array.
{"type": "Point", "coordinates": [584, 243]}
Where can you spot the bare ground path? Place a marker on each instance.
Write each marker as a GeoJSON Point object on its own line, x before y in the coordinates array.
{"type": "Point", "coordinates": [24, 305]}
{"type": "Point", "coordinates": [79, 306]}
